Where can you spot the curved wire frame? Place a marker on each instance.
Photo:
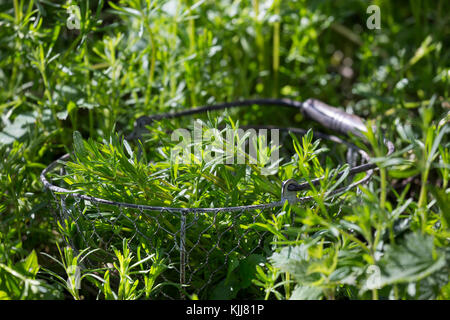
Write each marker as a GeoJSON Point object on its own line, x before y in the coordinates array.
{"type": "Point", "coordinates": [366, 167]}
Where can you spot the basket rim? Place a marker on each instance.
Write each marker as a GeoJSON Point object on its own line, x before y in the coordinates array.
{"type": "Point", "coordinates": [368, 168]}
{"type": "Point", "coordinates": [330, 117]}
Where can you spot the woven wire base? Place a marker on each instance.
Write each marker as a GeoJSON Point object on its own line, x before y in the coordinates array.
{"type": "Point", "coordinates": [197, 247]}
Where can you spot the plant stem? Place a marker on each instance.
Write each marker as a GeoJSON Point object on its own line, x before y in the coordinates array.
{"type": "Point", "coordinates": [259, 36]}
{"type": "Point", "coordinates": [374, 294]}
{"type": "Point", "coordinates": [383, 188]}
{"type": "Point", "coordinates": [276, 49]}
{"type": "Point", "coordinates": [151, 71]}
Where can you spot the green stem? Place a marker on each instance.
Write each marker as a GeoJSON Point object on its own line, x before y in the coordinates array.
{"type": "Point", "coordinates": [423, 199]}
{"type": "Point", "coordinates": [423, 190]}
{"type": "Point", "coordinates": [288, 286]}
{"type": "Point", "coordinates": [152, 69]}
{"type": "Point", "coordinates": [383, 188]}
{"type": "Point", "coordinates": [192, 50]}
{"type": "Point", "coordinates": [259, 36]}
{"type": "Point", "coordinates": [374, 294]}
{"type": "Point", "coordinates": [88, 90]}
{"type": "Point", "coordinates": [276, 50]}
{"type": "Point", "coordinates": [152, 60]}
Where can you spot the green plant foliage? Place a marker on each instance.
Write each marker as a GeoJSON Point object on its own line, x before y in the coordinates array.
{"type": "Point", "coordinates": [19, 280]}
{"type": "Point", "coordinates": [80, 90]}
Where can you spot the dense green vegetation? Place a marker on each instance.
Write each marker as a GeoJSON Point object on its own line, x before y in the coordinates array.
{"type": "Point", "coordinates": [130, 58]}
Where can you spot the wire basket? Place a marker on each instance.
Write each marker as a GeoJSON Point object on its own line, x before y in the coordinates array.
{"type": "Point", "coordinates": [197, 244]}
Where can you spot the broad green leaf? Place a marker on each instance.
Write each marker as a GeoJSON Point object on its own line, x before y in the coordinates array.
{"type": "Point", "coordinates": [247, 269]}
{"type": "Point", "coordinates": [17, 129]}
{"type": "Point", "coordinates": [412, 260]}
{"type": "Point", "coordinates": [306, 293]}
{"type": "Point", "coordinates": [295, 261]}
{"type": "Point", "coordinates": [226, 290]}
{"type": "Point", "coordinates": [31, 263]}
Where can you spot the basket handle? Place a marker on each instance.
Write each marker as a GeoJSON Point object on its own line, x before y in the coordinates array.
{"type": "Point", "coordinates": [333, 118]}
{"type": "Point", "coordinates": [330, 117]}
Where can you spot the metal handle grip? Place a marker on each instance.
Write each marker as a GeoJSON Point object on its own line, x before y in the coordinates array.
{"type": "Point", "coordinates": [330, 117]}
{"type": "Point", "coordinates": [333, 118]}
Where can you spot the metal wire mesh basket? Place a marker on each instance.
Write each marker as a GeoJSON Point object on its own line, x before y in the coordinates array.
{"type": "Point", "coordinates": [197, 244]}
